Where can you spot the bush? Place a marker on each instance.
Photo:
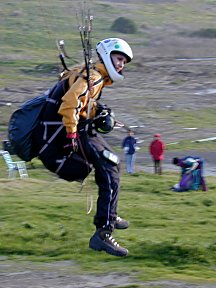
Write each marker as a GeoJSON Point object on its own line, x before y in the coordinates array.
{"type": "Point", "coordinates": [124, 25]}
{"type": "Point", "coordinates": [206, 33]}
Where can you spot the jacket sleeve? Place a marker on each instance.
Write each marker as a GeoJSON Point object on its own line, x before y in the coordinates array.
{"type": "Point", "coordinates": [151, 148]}
{"type": "Point", "coordinates": [71, 104]}
{"type": "Point", "coordinates": [75, 101]}
{"type": "Point", "coordinates": [123, 142]}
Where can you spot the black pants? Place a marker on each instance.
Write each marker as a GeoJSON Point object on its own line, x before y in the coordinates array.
{"type": "Point", "coordinates": [76, 167]}
{"type": "Point", "coordinates": [158, 167]}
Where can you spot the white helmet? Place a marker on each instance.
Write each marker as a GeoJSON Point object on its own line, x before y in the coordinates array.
{"type": "Point", "coordinates": [105, 47]}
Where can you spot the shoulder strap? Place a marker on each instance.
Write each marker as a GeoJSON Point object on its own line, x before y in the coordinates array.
{"type": "Point", "coordinates": [76, 72]}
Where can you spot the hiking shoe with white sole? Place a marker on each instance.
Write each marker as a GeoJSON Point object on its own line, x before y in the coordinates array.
{"type": "Point", "coordinates": [102, 240]}
{"type": "Point", "coordinates": [121, 223]}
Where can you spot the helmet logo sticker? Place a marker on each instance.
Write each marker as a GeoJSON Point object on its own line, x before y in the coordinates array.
{"type": "Point", "coordinates": [117, 46]}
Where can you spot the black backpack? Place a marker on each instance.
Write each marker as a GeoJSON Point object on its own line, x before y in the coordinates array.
{"type": "Point", "coordinates": [25, 119]}
{"type": "Point", "coordinates": [22, 123]}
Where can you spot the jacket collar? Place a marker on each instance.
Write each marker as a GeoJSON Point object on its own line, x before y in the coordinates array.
{"type": "Point", "coordinates": [102, 70]}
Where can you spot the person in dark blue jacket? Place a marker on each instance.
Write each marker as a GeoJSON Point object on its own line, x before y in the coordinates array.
{"type": "Point", "coordinates": [129, 146]}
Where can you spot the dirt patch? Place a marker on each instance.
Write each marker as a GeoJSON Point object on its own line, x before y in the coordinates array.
{"type": "Point", "coordinates": [63, 274]}
{"type": "Point", "coordinates": [55, 275]}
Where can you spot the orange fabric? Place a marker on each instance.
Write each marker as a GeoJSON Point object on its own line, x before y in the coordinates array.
{"type": "Point", "coordinates": [75, 102]}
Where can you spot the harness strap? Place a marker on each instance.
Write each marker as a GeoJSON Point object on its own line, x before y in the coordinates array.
{"type": "Point", "coordinates": [53, 101]}
{"type": "Point", "coordinates": [62, 161]}
{"type": "Point", "coordinates": [75, 157]}
{"type": "Point", "coordinates": [47, 123]}
{"type": "Point", "coordinates": [51, 139]}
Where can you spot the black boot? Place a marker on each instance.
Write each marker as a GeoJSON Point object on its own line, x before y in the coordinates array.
{"type": "Point", "coordinates": [102, 240]}
{"type": "Point", "coordinates": [121, 223]}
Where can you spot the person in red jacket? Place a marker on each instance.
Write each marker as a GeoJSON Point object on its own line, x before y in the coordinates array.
{"type": "Point", "coordinates": [156, 149]}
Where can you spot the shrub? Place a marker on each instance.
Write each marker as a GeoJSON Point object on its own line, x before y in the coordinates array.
{"type": "Point", "coordinates": [124, 25]}
{"type": "Point", "coordinates": [206, 33]}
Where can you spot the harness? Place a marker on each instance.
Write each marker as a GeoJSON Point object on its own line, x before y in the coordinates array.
{"type": "Point", "coordinates": [51, 120]}
{"type": "Point", "coordinates": [50, 117]}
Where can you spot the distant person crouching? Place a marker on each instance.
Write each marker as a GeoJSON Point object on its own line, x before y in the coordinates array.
{"type": "Point", "coordinates": [191, 174]}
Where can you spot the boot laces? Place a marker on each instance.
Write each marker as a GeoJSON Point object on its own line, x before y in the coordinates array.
{"type": "Point", "coordinates": [118, 218]}
{"type": "Point", "coordinates": [111, 239]}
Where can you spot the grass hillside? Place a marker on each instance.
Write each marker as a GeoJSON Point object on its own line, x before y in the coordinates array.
{"type": "Point", "coordinates": [171, 235]}
{"type": "Point", "coordinates": [29, 29]}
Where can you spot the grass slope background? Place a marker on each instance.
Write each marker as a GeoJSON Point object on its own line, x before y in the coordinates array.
{"type": "Point", "coordinates": [172, 235]}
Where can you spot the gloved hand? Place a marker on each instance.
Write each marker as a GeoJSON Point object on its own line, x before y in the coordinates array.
{"type": "Point", "coordinates": [72, 145]}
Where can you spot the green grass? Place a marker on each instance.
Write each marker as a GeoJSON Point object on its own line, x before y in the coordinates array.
{"type": "Point", "coordinates": [185, 145]}
{"type": "Point", "coordinates": [29, 30]}
{"type": "Point", "coordinates": [171, 235]}
{"type": "Point", "coordinates": [195, 118]}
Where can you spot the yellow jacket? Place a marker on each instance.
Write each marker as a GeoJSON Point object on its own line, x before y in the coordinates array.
{"type": "Point", "coordinates": [76, 99]}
